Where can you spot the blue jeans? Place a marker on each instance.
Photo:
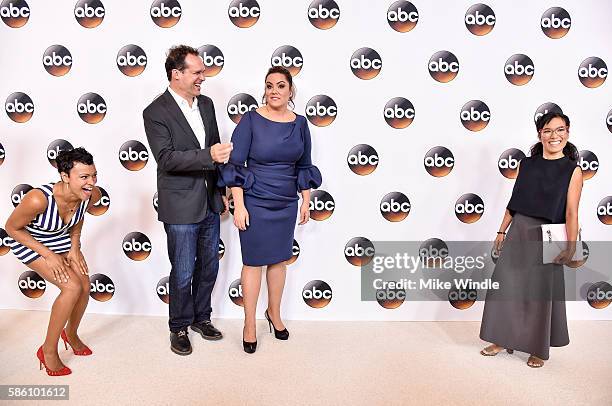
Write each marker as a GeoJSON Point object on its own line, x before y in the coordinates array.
{"type": "Point", "coordinates": [194, 255]}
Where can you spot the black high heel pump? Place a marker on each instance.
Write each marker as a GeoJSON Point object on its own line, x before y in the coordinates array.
{"type": "Point", "coordinates": [279, 334]}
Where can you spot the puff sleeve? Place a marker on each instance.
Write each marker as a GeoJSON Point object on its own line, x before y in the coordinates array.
{"type": "Point", "coordinates": [235, 173]}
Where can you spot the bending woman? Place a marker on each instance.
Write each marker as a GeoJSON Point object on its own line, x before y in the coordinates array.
{"type": "Point", "coordinates": [45, 229]}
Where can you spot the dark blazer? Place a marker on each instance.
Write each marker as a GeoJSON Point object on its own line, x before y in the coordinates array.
{"type": "Point", "coordinates": [182, 164]}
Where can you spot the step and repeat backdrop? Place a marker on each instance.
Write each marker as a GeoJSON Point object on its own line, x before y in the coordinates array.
{"type": "Point", "coordinates": [419, 112]}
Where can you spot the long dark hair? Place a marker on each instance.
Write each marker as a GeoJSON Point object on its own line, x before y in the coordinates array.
{"type": "Point", "coordinates": [569, 150]}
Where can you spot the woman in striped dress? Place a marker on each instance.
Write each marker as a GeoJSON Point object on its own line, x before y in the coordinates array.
{"type": "Point", "coordinates": [45, 229]}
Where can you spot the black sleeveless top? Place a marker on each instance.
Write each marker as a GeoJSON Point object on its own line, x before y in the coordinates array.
{"type": "Point", "coordinates": [541, 187]}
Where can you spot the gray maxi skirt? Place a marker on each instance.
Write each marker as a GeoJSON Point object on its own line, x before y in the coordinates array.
{"type": "Point", "coordinates": [527, 312]}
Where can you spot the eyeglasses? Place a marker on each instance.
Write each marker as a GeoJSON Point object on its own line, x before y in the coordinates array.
{"type": "Point", "coordinates": [560, 131]}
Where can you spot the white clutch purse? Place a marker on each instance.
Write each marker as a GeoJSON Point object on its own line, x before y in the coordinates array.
{"type": "Point", "coordinates": [554, 240]}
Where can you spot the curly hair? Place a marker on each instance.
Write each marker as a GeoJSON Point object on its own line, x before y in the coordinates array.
{"type": "Point", "coordinates": [67, 158]}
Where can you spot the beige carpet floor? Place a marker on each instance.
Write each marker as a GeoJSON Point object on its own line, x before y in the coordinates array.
{"type": "Point", "coordinates": [323, 363]}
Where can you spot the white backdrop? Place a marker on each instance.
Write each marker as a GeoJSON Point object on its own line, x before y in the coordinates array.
{"type": "Point", "coordinates": [360, 104]}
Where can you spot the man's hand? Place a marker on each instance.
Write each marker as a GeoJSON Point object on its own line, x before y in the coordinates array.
{"type": "Point", "coordinates": [220, 152]}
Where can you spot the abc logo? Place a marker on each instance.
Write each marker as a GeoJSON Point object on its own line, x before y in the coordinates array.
{"type": "Point", "coordinates": [592, 72]}
{"type": "Point", "coordinates": [555, 22]}
{"type": "Point", "coordinates": [163, 289]}
{"type": "Point", "coordinates": [599, 295]}
{"type": "Point", "coordinates": [295, 253]}
{"type": "Point", "coordinates": [101, 288]}
{"type": "Point", "coordinates": [323, 14]}
{"type": "Point", "coordinates": [475, 115]}
{"type": "Point", "coordinates": [136, 246]}
{"type": "Point", "coordinates": [439, 161]}
{"type": "Point", "coordinates": [508, 162]}
{"type": "Point", "coordinates": [390, 298]}
{"type": "Point", "coordinates": [133, 155]}
{"type": "Point", "coordinates": [362, 159]}
{"type": "Point", "coordinates": [589, 164]}
{"type": "Point", "coordinates": [221, 251]}
{"type": "Point", "coordinates": [546, 108]}
{"type": "Point", "coordinates": [235, 293]}
{"type": "Point", "coordinates": [155, 202]}
{"type": "Point", "coordinates": [165, 13]}
{"type": "Point", "coordinates": [432, 251]}
{"type": "Point", "coordinates": [609, 121]}
{"type": "Point", "coordinates": [19, 192]}
{"type": "Point", "coordinates": [101, 206]}
{"type": "Point", "coordinates": [399, 112]}
{"type": "Point", "coordinates": [57, 60]}
{"type": "Point", "coordinates": [244, 13]}
{"type": "Point", "coordinates": [321, 205]}
{"type": "Point", "coordinates": [239, 105]}
{"type": "Point", "coordinates": [519, 69]}
{"type": "Point", "coordinates": [54, 149]}
{"type": "Point", "coordinates": [91, 108]}
{"type": "Point", "coordinates": [321, 110]}
{"type": "Point", "coordinates": [213, 59]}
{"type": "Point", "coordinates": [14, 13]}
{"type": "Point", "coordinates": [317, 294]}
{"type": "Point", "coordinates": [2, 154]}
{"type": "Point", "coordinates": [469, 208]}
{"type": "Point", "coordinates": [443, 66]}
{"type": "Point", "coordinates": [604, 210]}
{"type": "Point", "coordinates": [288, 57]}
{"type": "Point", "coordinates": [131, 60]}
{"type": "Point", "coordinates": [31, 284]}
{"type": "Point", "coordinates": [5, 240]}
{"type": "Point", "coordinates": [19, 107]}
{"type": "Point", "coordinates": [480, 19]}
{"type": "Point", "coordinates": [402, 16]}
{"type": "Point", "coordinates": [366, 63]}
{"type": "Point", "coordinates": [89, 13]}
{"type": "Point", "coordinates": [395, 206]}
{"type": "Point", "coordinates": [462, 299]}
{"type": "Point", "coordinates": [359, 251]}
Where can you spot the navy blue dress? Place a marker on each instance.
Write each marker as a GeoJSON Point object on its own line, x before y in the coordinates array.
{"type": "Point", "coordinates": [278, 165]}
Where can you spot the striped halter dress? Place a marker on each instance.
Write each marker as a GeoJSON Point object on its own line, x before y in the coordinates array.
{"type": "Point", "coordinates": [48, 228]}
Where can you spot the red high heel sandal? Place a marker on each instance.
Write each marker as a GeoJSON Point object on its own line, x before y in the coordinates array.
{"type": "Point", "coordinates": [41, 360]}
{"type": "Point", "coordinates": [84, 351]}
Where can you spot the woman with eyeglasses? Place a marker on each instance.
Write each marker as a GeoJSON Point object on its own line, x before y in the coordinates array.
{"type": "Point", "coordinates": [527, 312]}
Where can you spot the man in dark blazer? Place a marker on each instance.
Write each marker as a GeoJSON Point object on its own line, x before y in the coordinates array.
{"type": "Point", "coordinates": [182, 131]}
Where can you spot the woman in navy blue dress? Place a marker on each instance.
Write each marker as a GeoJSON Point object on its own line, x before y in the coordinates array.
{"type": "Point", "coordinates": [275, 144]}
